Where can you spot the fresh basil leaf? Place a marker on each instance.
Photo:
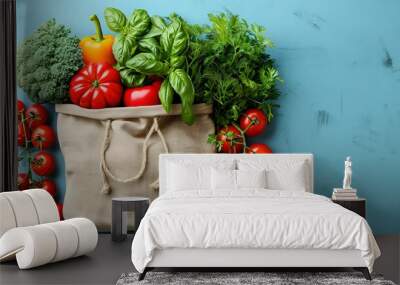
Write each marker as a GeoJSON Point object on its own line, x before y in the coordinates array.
{"type": "Point", "coordinates": [177, 62]}
{"type": "Point", "coordinates": [183, 86]}
{"type": "Point", "coordinates": [115, 19]}
{"type": "Point", "coordinates": [151, 44]}
{"type": "Point", "coordinates": [157, 27]}
{"type": "Point", "coordinates": [148, 64]}
{"type": "Point", "coordinates": [174, 39]}
{"type": "Point", "coordinates": [123, 48]}
{"type": "Point", "coordinates": [166, 95]}
{"type": "Point", "coordinates": [118, 66]}
{"type": "Point", "coordinates": [158, 22]}
{"type": "Point", "coordinates": [154, 32]}
{"type": "Point", "coordinates": [139, 23]}
{"type": "Point", "coordinates": [131, 78]}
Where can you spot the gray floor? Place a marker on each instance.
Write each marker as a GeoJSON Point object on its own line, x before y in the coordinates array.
{"type": "Point", "coordinates": [110, 260]}
{"type": "Point", "coordinates": [103, 266]}
{"type": "Point", "coordinates": [389, 262]}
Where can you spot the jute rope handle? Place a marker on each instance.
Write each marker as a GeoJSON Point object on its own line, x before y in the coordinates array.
{"type": "Point", "coordinates": [106, 189]}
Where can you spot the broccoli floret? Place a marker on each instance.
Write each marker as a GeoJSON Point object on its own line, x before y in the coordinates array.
{"type": "Point", "coordinates": [46, 62]}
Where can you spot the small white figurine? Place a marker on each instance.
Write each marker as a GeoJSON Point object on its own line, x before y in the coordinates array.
{"type": "Point", "coordinates": [347, 173]}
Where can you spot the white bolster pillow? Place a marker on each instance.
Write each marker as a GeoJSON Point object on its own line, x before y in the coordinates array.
{"type": "Point", "coordinates": [23, 209]}
{"type": "Point", "coordinates": [40, 244]}
{"type": "Point", "coordinates": [7, 218]}
{"type": "Point", "coordinates": [46, 208]}
{"type": "Point", "coordinates": [26, 208]}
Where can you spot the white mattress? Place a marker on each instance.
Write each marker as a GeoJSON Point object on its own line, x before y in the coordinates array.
{"type": "Point", "coordinates": [252, 219]}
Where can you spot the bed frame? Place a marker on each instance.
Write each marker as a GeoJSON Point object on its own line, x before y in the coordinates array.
{"type": "Point", "coordinates": [246, 259]}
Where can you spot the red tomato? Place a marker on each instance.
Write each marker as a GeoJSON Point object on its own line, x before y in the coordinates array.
{"type": "Point", "coordinates": [60, 210]}
{"type": "Point", "coordinates": [23, 181]}
{"type": "Point", "coordinates": [50, 186]}
{"type": "Point", "coordinates": [43, 163]}
{"type": "Point", "coordinates": [36, 115]}
{"type": "Point", "coordinates": [231, 139]}
{"type": "Point", "coordinates": [258, 148]}
{"type": "Point", "coordinates": [253, 122]}
{"type": "Point", "coordinates": [20, 109]}
{"type": "Point", "coordinates": [143, 96]}
{"type": "Point", "coordinates": [96, 86]}
{"type": "Point", "coordinates": [22, 130]}
{"type": "Point", "coordinates": [43, 137]}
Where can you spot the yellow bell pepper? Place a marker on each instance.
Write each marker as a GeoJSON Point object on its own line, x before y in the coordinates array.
{"type": "Point", "coordinates": [97, 48]}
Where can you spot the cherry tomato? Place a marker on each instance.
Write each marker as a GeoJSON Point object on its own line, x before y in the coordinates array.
{"type": "Point", "coordinates": [60, 211]}
{"type": "Point", "coordinates": [20, 109]}
{"type": "Point", "coordinates": [142, 96]}
{"type": "Point", "coordinates": [43, 137]}
{"type": "Point", "coordinates": [231, 139]}
{"type": "Point", "coordinates": [253, 122]}
{"type": "Point", "coordinates": [50, 186]}
{"type": "Point", "coordinates": [258, 148]}
{"type": "Point", "coordinates": [23, 181]}
{"type": "Point", "coordinates": [23, 130]}
{"type": "Point", "coordinates": [43, 163]}
{"type": "Point", "coordinates": [36, 115]}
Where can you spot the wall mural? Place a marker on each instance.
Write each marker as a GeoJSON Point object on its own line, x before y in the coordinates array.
{"type": "Point", "coordinates": [149, 61]}
{"type": "Point", "coordinates": [339, 96]}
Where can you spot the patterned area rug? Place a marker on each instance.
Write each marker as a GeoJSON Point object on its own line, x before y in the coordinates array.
{"type": "Point", "coordinates": [243, 278]}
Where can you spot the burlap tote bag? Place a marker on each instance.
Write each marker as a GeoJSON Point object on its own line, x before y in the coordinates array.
{"type": "Point", "coordinates": [114, 152]}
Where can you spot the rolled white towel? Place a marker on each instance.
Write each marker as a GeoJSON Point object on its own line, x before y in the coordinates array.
{"type": "Point", "coordinates": [40, 244]}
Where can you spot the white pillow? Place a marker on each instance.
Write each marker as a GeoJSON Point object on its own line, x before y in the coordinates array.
{"type": "Point", "coordinates": [225, 179]}
{"type": "Point", "coordinates": [251, 178]}
{"type": "Point", "coordinates": [288, 179]}
{"type": "Point", "coordinates": [290, 174]}
{"type": "Point", "coordinates": [186, 175]}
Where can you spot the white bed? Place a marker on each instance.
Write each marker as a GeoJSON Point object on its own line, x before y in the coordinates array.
{"type": "Point", "coordinates": [249, 227]}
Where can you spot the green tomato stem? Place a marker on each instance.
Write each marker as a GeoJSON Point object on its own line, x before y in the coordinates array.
{"type": "Point", "coordinates": [99, 32]}
{"type": "Point", "coordinates": [243, 132]}
{"type": "Point", "coordinates": [243, 137]}
{"type": "Point", "coordinates": [27, 148]}
{"type": "Point", "coordinates": [29, 168]}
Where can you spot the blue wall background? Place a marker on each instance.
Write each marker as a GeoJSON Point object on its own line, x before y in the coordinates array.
{"type": "Point", "coordinates": [340, 61]}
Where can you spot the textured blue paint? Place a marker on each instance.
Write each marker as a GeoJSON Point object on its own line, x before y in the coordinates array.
{"type": "Point", "coordinates": [341, 64]}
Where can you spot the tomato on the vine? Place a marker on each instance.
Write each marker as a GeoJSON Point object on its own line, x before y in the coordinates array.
{"type": "Point", "coordinates": [20, 109]}
{"type": "Point", "coordinates": [43, 137]}
{"type": "Point", "coordinates": [22, 130]}
{"type": "Point", "coordinates": [258, 148]}
{"type": "Point", "coordinates": [50, 186]}
{"type": "Point", "coordinates": [23, 181]}
{"type": "Point", "coordinates": [36, 115]}
{"type": "Point", "coordinates": [253, 122]}
{"type": "Point", "coordinates": [230, 139]}
{"type": "Point", "coordinates": [43, 163]}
